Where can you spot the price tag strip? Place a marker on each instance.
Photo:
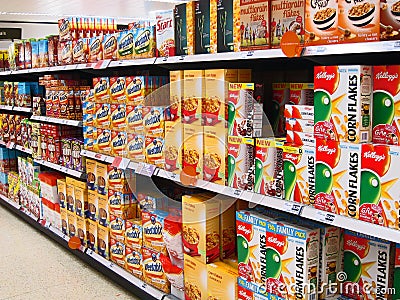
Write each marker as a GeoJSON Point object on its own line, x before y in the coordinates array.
{"type": "Point", "coordinates": [145, 169]}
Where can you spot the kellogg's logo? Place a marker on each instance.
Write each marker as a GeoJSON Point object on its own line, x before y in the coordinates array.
{"type": "Point", "coordinates": [356, 245]}
{"type": "Point", "coordinates": [386, 75]}
{"type": "Point", "coordinates": [325, 75]}
{"type": "Point", "coordinates": [326, 149]}
{"type": "Point", "coordinates": [373, 155]}
{"type": "Point", "coordinates": [275, 241]}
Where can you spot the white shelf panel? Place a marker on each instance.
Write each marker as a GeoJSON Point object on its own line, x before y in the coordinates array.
{"type": "Point", "coordinates": [94, 155]}
{"type": "Point", "coordinates": [129, 277]}
{"type": "Point", "coordinates": [24, 109]}
{"type": "Point", "coordinates": [6, 107]}
{"type": "Point", "coordinates": [23, 149]}
{"type": "Point", "coordinates": [59, 168]}
{"type": "Point", "coordinates": [12, 203]}
{"type": "Point", "coordinates": [57, 121]}
{"type": "Point", "coordinates": [132, 62]}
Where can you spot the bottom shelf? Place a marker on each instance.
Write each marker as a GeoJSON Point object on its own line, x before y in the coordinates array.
{"type": "Point", "coordinates": [109, 269]}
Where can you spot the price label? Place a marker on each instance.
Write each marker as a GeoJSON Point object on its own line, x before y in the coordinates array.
{"type": "Point", "coordinates": [102, 64]}
{"type": "Point", "coordinates": [325, 217]}
{"type": "Point", "coordinates": [120, 163]}
{"type": "Point", "coordinates": [111, 265]}
{"type": "Point", "coordinates": [173, 176]}
{"type": "Point", "coordinates": [89, 252]}
{"type": "Point", "coordinates": [10, 145]}
{"type": "Point", "coordinates": [99, 157]}
{"type": "Point", "coordinates": [232, 192]}
{"type": "Point", "coordinates": [292, 207]}
{"type": "Point", "coordinates": [145, 169]}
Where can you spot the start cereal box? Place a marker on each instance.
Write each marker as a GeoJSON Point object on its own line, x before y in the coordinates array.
{"type": "Point", "coordinates": [368, 266]}
{"type": "Point", "coordinates": [385, 116]}
{"type": "Point", "coordinates": [359, 21]}
{"type": "Point", "coordinates": [165, 33]}
{"type": "Point", "coordinates": [380, 185]}
{"type": "Point", "coordinates": [343, 100]}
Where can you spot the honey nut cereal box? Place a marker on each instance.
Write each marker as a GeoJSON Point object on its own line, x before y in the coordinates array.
{"type": "Point", "coordinates": [101, 87]}
{"type": "Point", "coordinates": [215, 154]}
{"type": "Point", "coordinates": [117, 252]}
{"type": "Point", "coordinates": [249, 290]}
{"type": "Point", "coordinates": [196, 283]}
{"type": "Point", "coordinates": [92, 235]}
{"type": "Point", "coordinates": [93, 205]}
{"type": "Point", "coordinates": [117, 89]}
{"type": "Point", "coordinates": [81, 225]}
{"type": "Point", "coordinates": [91, 174]}
{"type": "Point", "coordinates": [176, 86]}
{"type": "Point", "coordinates": [117, 227]}
{"type": "Point", "coordinates": [154, 151]}
{"type": "Point", "coordinates": [301, 93]}
{"type": "Point", "coordinates": [184, 21]}
{"type": "Point", "coordinates": [103, 241]}
{"type": "Point", "coordinates": [102, 115]}
{"type": "Point", "coordinates": [280, 97]}
{"type": "Point", "coordinates": [62, 192]}
{"type": "Point", "coordinates": [300, 125]}
{"type": "Point", "coordinates": [214, 104]}
{"type": "Point", "coordinates": [70, 194]}
{"type": "Point", "coordinates": [299, 174]}
{"type": "Point", "coordinates": [103, 140]}
{"type": "Point", "coordinates": [101, 177]}
{"type": "Point", "coordinates": [343, 100]}
{"type": "Point", "coordinates": [380, 184]}
{"type": "Point", "coordinates": [134, 234]}
{"type": "Point", "coordinates": [109, 45]}
{"type": "Point", "coordinates": [396, 278]}
{"type": "Point", "coordinates": [368, 266]}
{"type": "Point", "coordinates": [205, 26]}
{"type": "Point", "coordinates": [321, 20]}
{"type": "Point", "coordinates": [72, 228]}
{"type": "Point", "coordinates": [125, 44]}
{"type": "Point", "coordinates": [193, 148]}
{"type": "Point", "coordinates": [154, 121]}
{"type": "Point", "coordinates": [81, 200]}
{"type": "Point", "coordinates": [240, 163]}
{"type": "Point", "coordinates": [134, 261]}
{"type": "Point", "coordinates": [228, 26]}
{"type": "Point", "coordinates": [193, 96]}
{"type": "Point", "coordinates": [153, 271]}
{"type": "Point", "coordinates": [305, 112]}
{"type": "Point", "coordinates": [359, 21]}
{"type": "Point", "coordinates": [386, 96]}
{"type": "Point", "coordinates": [173, 146]}
{"type": "Point", "coordinates": [300, 138]}
{"type": "Point", "coordinates": [287, 16]}
{"type": "Point", "coordinates": [200, 217]}
{"type": "Point", "coordinates": [103, 212]}
{"type": "Point", "coordinates": [221, 281]}
{"type": "Point", "coordinates": [165, 33]}
{"type": "Point", "coordinates": [338, 177]}
{"type": "Point", "coordinates": [118, 143]}
{"type": "Point", "coordinates": [134, 119]}
{"type": "Point", "coordinates": [254, 25]}
{"type": "Point", "coordinates": [135, 90]}
{"type": "Point", "coordinates": [135, 149]}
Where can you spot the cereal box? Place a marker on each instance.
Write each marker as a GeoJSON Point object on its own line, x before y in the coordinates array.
{"type": "Point", "coordinates": [92, 235]}
{"type": "Point", "coordinates": [125, 44]}
{"type": "Point", "coordinates": [280, 97]}
{"type": "Point", "coordinates": [93, 205]}
{"type": "Point", "coordinates": [206, 27]}
{"type": "Point", "coordinates": [101, 177]}
{"type": "Point", "coordinates": [300, 125]}
{"type": "Point", "coordinates": [117, 252]}
{"type": "Point", "coordinates": [135, 90]}
{"type": "Point", "coordinates": [196, 283]}
{"type": "Point", "coordinates": [379, 185]}
{"type": "Point", "coordinates": [153, 227]}
{"type": "Point", "coordinates": [91, 174]}
{"type": "Point", "coordinates": [301, 93]}
{"type": "Point", "coordinates": [104, 140]}
{"type": "Point", "coordinates": [136, 147]}
{"type": "Point", "coordinates": [65, 53]}
{"type": "Point", "coordinates": [103, 215]}
{"type": "Point", "coordinates": [118, 143]}
{"type": "Point", "coordinates": [221, 281]}
{"type": "Point", "coordinates": [367, 266]}
{"type": "Point", "coordinates": [254, 25]}
{"type": "Point", "coordinates": [72, 228]}
{"type": "Point", "coordinates": [117, 89]}
{"type": "Point", "coordinates": [101, 86]}
{"type": "Point", "coordinates": [227, 227]}
{"type": "Point", "coordinates": [121, 204]}
{"type": "Point", "coordinates": [134, 261]}
{"type": "Point", "coordinates": [95, 49]}
{"type": "Point", "coordinates": [102, 115]}
{"type": "Point", "coordinates": [286, 16]}
{"type": "Point", "coordinates": [134, 119]}
{"type": "Point", "coordinates": [153, 272]}
{"type": "Point", "coordinates": [214, 104]}
{"type": "Point", "coordinates": [193, 95]}
{"type": "Point", "coordinates": [184, 21]}
{"type": "Point", "coordinates": [300, 138]}
{"type": "Point", "coordinates": [269, 168]}
{"type": "Point", "coordinates": [103, 241]}
{"type": "Point", "coordinates": [173, 146]}
{"type": "Point", "coordinates": [153, 120]}
{"type": "Point", "coordinates": [200, 218]}
{"type": "Point", "coordinates": [64, 220]}
{"type": "Point", "coordinates": [242, 116]}
{"type": "Point", "coordinates": [176, 85]}
{"type": "Point", "coordinates": [321, 20]}
{"type": "Point", "coordinates": [154, 151]}
{"type": "Point", "coordinates": [70, 194]}
{"type": "Point", "coordinates": [80, 51]}
{"type": "Point", "coordinates": [396, 279]}
{"type": "Point", "coordinates": [82, 228]}
{"type": "Point", "coordinates": [338, 177]}
{"type": "Point", "coordinates": [249, 290]}
{"type": "Point", "coordinates": [228, 26]}
{"type": "Point", "coordinates": [110, 46]}
{"type": "Point", "coordinates": [165, 33]}
{"type": "Point", "coordinates": [342, 100]}
{"type": "Point", "coordinates": [215, 153]}
{"type": "Point", "coordinates": [81, 198]}
{"type": "Point", "coordinates": [145, 42]}
{"type": "Point", "coordinates": [117, 228]}
{"type": "Point", "coordinates": [62, 192]}
{"type": "Point", "coordinates": [389, 14]}
{"type": "Point", "coordinates": [305, 112]}
{"type": "Point", "coordinates": [359, 21]}
{"type": "Point", "coordinates": [386, 96]}
{"type": "Point", "coordinates": [134, 234]}
{"type": "Point", "coordinates": [241, 163]}
{"type": "Point", "coordinates": [116, 179]}
{"type": "Point", "coordinates": [193, 149]}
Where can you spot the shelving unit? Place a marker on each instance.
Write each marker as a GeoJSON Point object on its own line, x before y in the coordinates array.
{"type": "Point", "coordinates": [74, 173]}
{"type": "Point", "coordinates": [57, 121]}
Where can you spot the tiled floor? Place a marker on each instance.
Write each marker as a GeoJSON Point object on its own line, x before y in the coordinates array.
{"type": "Point", "coordinates": [33, 266]}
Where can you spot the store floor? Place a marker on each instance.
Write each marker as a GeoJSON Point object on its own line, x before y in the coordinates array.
{"type": "Point", "coordinates": [35, 267]}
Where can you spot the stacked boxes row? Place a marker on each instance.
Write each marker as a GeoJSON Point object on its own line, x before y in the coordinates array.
{"type": "Point", "coordinates": [16, 129]}
{"type": "Point", "coordinates": [20, 94]}
{"type": "Point", "coordinates": [8, 163]}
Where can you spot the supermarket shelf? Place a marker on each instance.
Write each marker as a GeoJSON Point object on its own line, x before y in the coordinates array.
{"type": "Point", "coordinates": [109, 269]}
{"type": "Point", "coordinates": [23, 149]}
{"type": "Point", "coordinates": [16, 108]}
{"type": "Point", "coordinates": [62, 169]}
{"type": "Point", "coordinates": [57, 121]}
{"type": "Point", "coordinates": [101, 157]}
{"type": "Point", "coordinates": [132, 62]}
{"type": "Point", "coordinates": [6, 107]}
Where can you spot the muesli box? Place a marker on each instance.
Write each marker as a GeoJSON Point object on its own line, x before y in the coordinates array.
{"type": "Point", "coordinates": [173, 146]}
{"type": "Point", "coordinates": [184, 21]}
{"type": "Point", "coordinates": [343, 100]}
{"type": "Point", "coordinates": [193, 148]}
{"type": "Point", "coordinates": [221, 281]}
{"type": "Point", "coordinates": [165, 33]}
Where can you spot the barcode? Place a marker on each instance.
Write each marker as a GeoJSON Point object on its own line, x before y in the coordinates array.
{"type": "Point", "coordinates": [364, 136]}
{"type": "Point", "coordinates": [312, 297]}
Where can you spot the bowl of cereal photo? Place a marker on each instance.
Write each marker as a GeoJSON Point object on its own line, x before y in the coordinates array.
{"type": "Point", "coordinates": [171, 156]}
{"type": "Point", "coordinates": [211, 107]}
{"type": "Point", "coordinates": [325, 18]}
{"type": "Point", "coordinates": [190, 158]}
{"type": "Point", "coordinates": [361, 14]}
{"type": "Point", "coordinates": [211, 164]}
{"type": "Point", "coordinates": [189, 108]}
{"type": "Point", "coordinates": [395, 10]}
{"type": "Point", "coordinates": [190, 240]}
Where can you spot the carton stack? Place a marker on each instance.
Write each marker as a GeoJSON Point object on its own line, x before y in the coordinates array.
{"type": "Point", "coordinates": [8, 163]}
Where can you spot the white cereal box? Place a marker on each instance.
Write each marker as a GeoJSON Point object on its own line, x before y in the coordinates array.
{"type": "Point", "coordinates": [305, 112]}
{"type": "Point", "coordinates": [165, 33]}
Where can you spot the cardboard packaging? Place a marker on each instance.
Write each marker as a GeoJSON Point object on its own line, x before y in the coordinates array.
{"type": "Point", "coordinates": [103, 115]}
{"type": "Point", "coordinates": [176, 88]}
{"type": "Point", "coordinates": [396, 278]}
{"type": "Point", "coordinates": [118, 143]}
{"type": "Point", "coordinates": [62, 192]}
{"type": "Point", "coordinates": [342, 100]}
{"type": "Point", "coordinates": [117, 252]}
{"type": "Point", "coordinates": [103, 211]}
{"type": "Point", "coordinates": [227, 230]}
{"type": "Point", "coordinates": [301, 93]}
{"type": "Point", "coordinates": [64, 220]}
{"type": "Point", "coordinates": [215, 154]}
{"type": "Point", "coordinates": [118, 116]}
{"type": "Point", "coordinates": [136, 147]}
{"type": "Point", "coordinates": [134, 234]}
{"type": "Point", "coordinates": [81, 198]}
{"type": "Point", "coordinates": [196, 283]}
{"type": "Point", "coordinates": [154, 121]}
{"type": "Point", "coordinates": [184, 21]}
{"type": "Point", "coordinates": [305, 112]}
{"type": "Point", "coordinates": [300, 125]}
{"type": "Point", "coordinates": [221, 281]}
{"type": "Point", "coordinates": [117, 90]}
{"type": "Point", "coordinates": [228, 26]}
{"type": "Point", "coordinates": [155, 151]}
{"type": "Point", "coordinates": [72, 226]}
{"type": "Point", "coordinates": [101, 87]}
{"type": "Point", "coordinates": [205, 26]}
{"type": "Point", "coordinates": [110, 46]}
{"type": "Point", "coordinates": [70, 194]}
{"type": "Point", "coordinates": [125, 44]}
{"type": "Point", "coordinates": [193, 148]}
{"type": "Point", "coordinates": [103, 241]}
{"type": "Point", "coordinates": [101, 178]}
{"type": "Point", "coordinates": [93, 205]}
{"type": "Point", "coordinates": [193, 96]}
{"type": "Point", "coordinates": [300, 138]}
{"type": "Point", "coordinates": [91, 174]}
{"type": "Point", "coordinates": [173, 146]}
{"type": "Point", "coordinates": [153, 272]}
{"type": "Point", "coordinates": [165, 33]}
{"type": "Point", "coordinates": [135, 90]}
{"type": "Point", "coordinates": [83, 228]}
{"type": "Point", "coordinates": [280, 97]}
{"type": "Point", "coordinates": [250, 290]}
{"type": "Point", "coordinates": [153, 227]}
{"type": "Point", "coordinates": [134, 262]}
{"type": "Point", "coordinates": [145, 42]}
{"type": "Point", "coordinates": [134, 119]}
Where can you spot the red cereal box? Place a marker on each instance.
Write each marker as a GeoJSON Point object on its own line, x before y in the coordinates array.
{"type": "Point", "coordinates": [95, 49]}
{"type": "Point", "coordinates": [80, 51]}
{"type": "Point", "coordinates": [110, 46]}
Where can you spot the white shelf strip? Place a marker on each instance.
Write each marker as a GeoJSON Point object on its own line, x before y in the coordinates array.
{"type": "Point", "coordinates": [12, 203]}
{"type": "Point", "coordinates": [23, 149]}
{"type": "Point", "coordinates": [57, 121]}
{"type": "Point", "coordinates": [59, 168]}
{"type": "Point", "coordinates": [101, 157]}
{"type": "Point", "coordinates": [24, 109]}
{"type": "Point", "coordinates": [6, 107]}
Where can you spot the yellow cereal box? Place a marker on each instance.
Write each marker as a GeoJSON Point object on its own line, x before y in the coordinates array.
{"type": "Point", "coordinates": [93, 205]}
{"type": "Point", "coordinates": [118, 143]}
{"type": "Point", "coordinates": [193, 148]}
{"type": "Point", "coordinates": [153, 227]}
{"type": "Point", "coordinates": [117, 252]}
{"type": "Point", "coordinates": [173, 146]}
{"type": "Point", "coordinates": [102, 115]}
{"type": "Point", "coordinates": [82, 228]}
{"type": "Point", "coordinates": [153, 272]}
{"type": "Point", "coordinates": [64, 220]}
{"type": "Point", "coordinates": [135, 147]}
{"type": "Point", "coordinates": [221, 281]}
{"type": "Point", "coordinates": [176, 86]}
{"type": "Point", "coordinates": [215, 154]}
{"type": "Point", "coordinates": [62, 192]}
{"type": "Point", "coordinates": [134, 234]}
{"type": "Point", "coordinates": [134, 119]}
{"type": "Point", "coordinates": [103, 141]}
{"type": "Point", "coordinates": [101, 86]}
{"type": "Point", "coordinates": [153, 120]}
{"type": "Point", "coordinates": [135, 90]}
{"type": "Point", "coordinates": [92, 235]}
{"type": "Point", "coordinates": [103, 241]}
{"type": "Point", "coordinates": [117, 227]}
{"type": "Point", "coordinates": [103, 215]}
{"type": "Point", "coordinates": [117, 89]}
{"type": "Point", "coordinates": [196, 285]}
{"type": "Point", "coordinates": [227, 227]}
{"type": "Point", "coordinates": [200, 217]}
{"type": "Point", "coordinates": [118, 116]}
{"type": "Point", "coordinates": [134, 261]}
{"type": "Point", "coordinates": [72, 228]}
{"type": "Point", "coordinates": [70, 194]}
{"type": "Point", "coordinates": [154, 151]}
{"type": "Point", "coordinates": [101, 177]}
{"type": "Point", "coordinates": [91, 174]}
{"type": "Point", "coordinates": [193, 95]}
{"type": "Point", "coordinates": [81, 200]}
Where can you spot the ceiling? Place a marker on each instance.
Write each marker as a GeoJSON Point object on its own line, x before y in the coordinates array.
{"type": "Point", "coordinates": [52, 10]}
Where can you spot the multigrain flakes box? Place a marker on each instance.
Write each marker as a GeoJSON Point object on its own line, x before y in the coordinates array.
{"type": "Point", "coordinates": [286, 16]}
{"type": "Point", "coordinates": [184, 28]}
{"type": "Point", "coordinates": [254, 24]}
{"type": "Point", "coordinates": [165, 31]}
{"type": "Point", "coordinates": [228, 25]}
{"type": "Point", "coordinates": [321, 20]}
{"type": "Point", "coordinates": [196, 285]}
{"type": "Point", "coordinates": [342, 101]}
{"type": "Point", "coordinates": [368, 266]}
{"type": "Point", "coordinates": [153, 272]}
{"type": "Point", "coordinates": [215, 153]}
{"type": "Point", "coordinates": [359, 21]}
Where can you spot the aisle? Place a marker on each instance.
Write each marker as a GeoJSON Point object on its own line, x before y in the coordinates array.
{"type": "Point", "coordinates": [35, 267]}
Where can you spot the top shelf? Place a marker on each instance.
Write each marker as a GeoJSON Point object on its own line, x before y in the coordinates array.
{"type": "Point", "coordinates": [342, 50]}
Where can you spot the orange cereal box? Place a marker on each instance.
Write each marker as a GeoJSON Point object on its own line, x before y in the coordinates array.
{"type": "Point", "coordinates": [153, 271]}
{"type": "Point", "coordinates": [134, 261]}
{"type": "Point", "coordinates": [176, 85]}
{"type": "Point", "coordinates": [118, 116]}
{"type": "Point", "coordinates": [135, 89]}
{"type": "Point", "coordinates": [215, 154]}
{"type": "Point", "coordinates": [389, 16]}
{"type": "Point", "coordinates": [92, 235]}
{"type": "Point", "coordinates": [173, 146]}
{"type": "Point", "coordinates": [195, 278]}
{"type": "Point", "coordinates": [101, 86]}
{"type": "Point", "coordinates": [117, 252]}
{"type": "Point", "coordinates": [102, 115]}
{"type": "Point", "coordinates": [118, 143]}
{"type": "Point", "coordinates": [153, 120]}
{"type": "Point", "coordinates": [359, 21]}
{"type": "Point", "coordinates": [134, 119]}
{"type": "Point", "coordinates": [104, 216]}
{"type": "Point", "coordinates": [82, 228]}
{"type": "Point", "coordinates": [117, 89]}
{"type": "Point", "coordinates": [110, 46]}
{"type": "Point", "coordinates": [221, 281]}
{"type": "Point", "coordinates": [135, 148]}
{"type": "Point", "coordinates": [193, 148]}
{"type": "Point", "coordinates": [93, 205]}
{"type": "Point", "coordinates": [153, 227]}
{"type": "Point", "coordinates": [117, 227]}
{"type": "Point", "coordinates": [134, 234]}
{"type": "Point", "coordinates": [154, 151]}
{"type": "Point", "coordinates": [104, 140]}
{"type": "Point", "coordinates": [193, 95]}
